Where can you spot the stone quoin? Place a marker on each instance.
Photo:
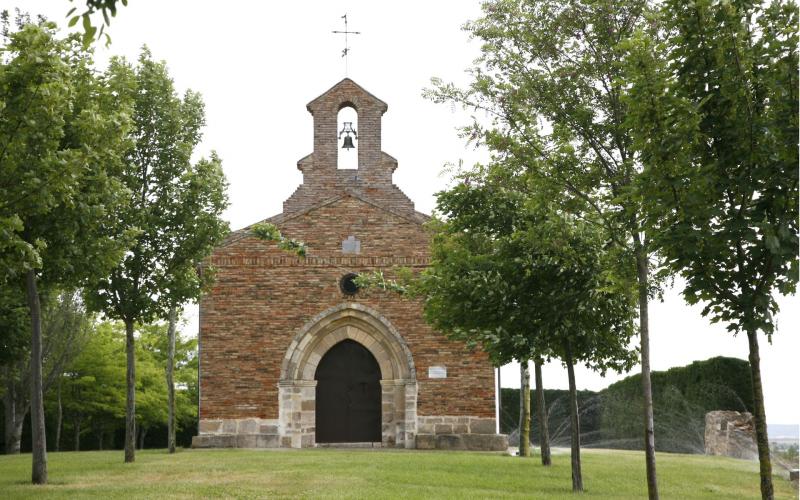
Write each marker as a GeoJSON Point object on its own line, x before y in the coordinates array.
{"type": "Point", "coordinates": [291, 355]}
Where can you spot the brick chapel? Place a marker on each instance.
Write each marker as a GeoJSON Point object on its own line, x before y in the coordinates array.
{"type": "Point", "coordinates": [293, 354]}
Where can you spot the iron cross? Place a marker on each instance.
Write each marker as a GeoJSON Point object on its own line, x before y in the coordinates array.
{"type": "Point", "coordinates": [346, 50]}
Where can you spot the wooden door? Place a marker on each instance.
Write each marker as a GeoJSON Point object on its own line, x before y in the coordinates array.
{"type": "Point", "coordinates": [348, 397]}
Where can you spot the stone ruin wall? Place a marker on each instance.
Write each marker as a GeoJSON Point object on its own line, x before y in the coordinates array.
{"type": "Point", "coordinates": [730, 434]}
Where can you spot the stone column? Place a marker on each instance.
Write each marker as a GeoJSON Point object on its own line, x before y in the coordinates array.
{"type": "Point", "coordinates": [410, 427]}
{"type": "Point", "coordinates": [297, 413]}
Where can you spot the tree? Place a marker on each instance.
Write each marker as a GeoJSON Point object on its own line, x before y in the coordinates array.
{"type": "Point", "coordinates": [552, 273]}
{"type": "Point", "coordinates": [93, 387]}
{"type": "Point", "coordinates": [717, 82]}
{"type": "Point", "coordinates": [525, 409]}
{"type": "Point", "coordinates": [521, 280]}
{"type": "Point", "coordinates": [61, 136]}
{"type": "Point", "coordinates": [466, 272]}
{"type": "Point", "coordinates": [14, 335]}
{"type": "Point", "coordinates": [65, 325]}
{"type": "Point", "coordinates": [541, 415]}
{"type": "Point", "coordinates": [594, 322]}
{"type": "Point", "coordinates": [551, 79]}
{"type": "Point", "coordinates": [174, 206]}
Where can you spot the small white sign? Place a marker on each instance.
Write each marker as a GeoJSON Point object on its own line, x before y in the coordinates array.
{"type": "Point", "coordinates": [437, 372]}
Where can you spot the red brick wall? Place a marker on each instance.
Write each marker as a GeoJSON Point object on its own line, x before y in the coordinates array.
{"type": "Point", "coordinates": [263, 295]}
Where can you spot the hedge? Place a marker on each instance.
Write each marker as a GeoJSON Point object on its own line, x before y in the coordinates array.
{"type": "Point", "coordinates": [612, 418]}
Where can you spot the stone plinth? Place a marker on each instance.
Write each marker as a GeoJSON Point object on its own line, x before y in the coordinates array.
{"type": "Point", "coordinates": [459, 433]}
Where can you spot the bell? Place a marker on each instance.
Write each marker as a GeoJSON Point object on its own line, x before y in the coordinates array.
{"type": "Point", "coordinates": [348, 129]}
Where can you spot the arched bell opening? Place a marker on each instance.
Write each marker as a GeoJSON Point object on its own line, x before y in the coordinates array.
{"type": "Point", "coordinates": [348, 395]}
{"type": "Point", "coordinates": [347, 137]}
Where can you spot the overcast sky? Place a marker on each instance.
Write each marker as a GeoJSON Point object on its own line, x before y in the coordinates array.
{"type": "Point", "coordinates": [257, 64]}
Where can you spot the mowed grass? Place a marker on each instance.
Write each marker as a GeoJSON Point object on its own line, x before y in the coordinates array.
{"type": "Point", "coordinates": [375, 474]}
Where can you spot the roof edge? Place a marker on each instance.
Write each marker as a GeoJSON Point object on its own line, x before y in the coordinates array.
{"type": "Point", "coordinates": [344, 80]}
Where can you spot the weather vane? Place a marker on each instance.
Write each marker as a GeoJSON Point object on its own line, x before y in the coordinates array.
{"type": "Point", "coordinates": [346, 50]}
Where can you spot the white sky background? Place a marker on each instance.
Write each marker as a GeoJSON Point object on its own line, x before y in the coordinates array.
{"type": "Point", "coordinates": [257, 64]}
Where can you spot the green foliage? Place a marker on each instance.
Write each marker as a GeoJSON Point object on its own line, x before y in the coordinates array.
{"type": "Point", "coordinates": [60, 141]}
{"type": "Point", "coordinates": [523, 281]}
{"type": "Point", "coordinates": [404, 286]}
{"type": "Point", "coordinates": [107, 8]}
{"type": "Point", "coordinates": [66, 327]}
{"type": "Point", "coordinates": [548, 79]}
{"type": "Point", "coordinates": [93, 384]}
{"type": "Point", "coordinates": [270, 232]}
{"type": "Point", "coordinates": [718, 85]}
{"type": "Point", "coordinates": [174, 207]}
{"type": "Point", "coordinates": [14, 324]}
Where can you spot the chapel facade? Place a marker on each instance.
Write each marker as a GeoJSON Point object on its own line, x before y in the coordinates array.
{"type": "Point", "coordinates": [292, 354]}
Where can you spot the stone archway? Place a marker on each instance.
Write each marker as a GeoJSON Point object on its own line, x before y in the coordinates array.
{"type": "Point", "coordinates": [369, 328]}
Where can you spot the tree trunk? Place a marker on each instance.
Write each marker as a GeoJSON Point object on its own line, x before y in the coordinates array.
{"type": "Point", "coordinates": [100, 439]}
{"type": "Point", "coordinates": [525, 416]}
{"type": "Point", "coordinates": [541, 415]}
{"type": "Point", "coordinates": [39, 442]}
{"type": "Point", "coordinates": [14, 439]}
{"type": "Point", "coordinates": [8, 411]}
{"type": "Point", "coordinates": [173, 313]}
{"type": "Point", "coordinates": [521, 401]}
{"type": "Point", "coordinates": [78, 433]}
{"type": "Point", "coordinates": [13, 425]}
{"type": "Point", "coordinates": [59, 416]}
{"type": "Point", "coordinates": [130, 402]}
{"type": "Point", "coordinates": [142, 432]}
{"type": "Point", "coordinates": [647, 389]}
{"type": "Point", "coordinates": [760, 418]}
{"type": "Point", "coordinates": [575, 426]}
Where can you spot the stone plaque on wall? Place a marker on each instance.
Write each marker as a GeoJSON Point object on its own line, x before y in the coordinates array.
{"type": "Point", "coordinates": [351, 245]}
{"type": "Point", "coordinates": [437, 372]}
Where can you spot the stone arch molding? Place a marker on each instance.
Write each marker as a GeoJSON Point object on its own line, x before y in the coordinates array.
{"type": "Point", "coordinates": [348, 321]}
{"type": "Point", "coordinates": [297, 386]}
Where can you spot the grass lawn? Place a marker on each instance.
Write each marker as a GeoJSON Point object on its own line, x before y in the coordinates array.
{"type": "Point", "coordinates": [375, 474]}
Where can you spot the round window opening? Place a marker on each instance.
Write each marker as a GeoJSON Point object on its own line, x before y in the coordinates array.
{"type": "Point", "coordinates": [348, 284]}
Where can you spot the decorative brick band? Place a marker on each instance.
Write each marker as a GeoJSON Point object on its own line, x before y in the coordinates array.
{"type": "Point", "coordinates": [319, 261]}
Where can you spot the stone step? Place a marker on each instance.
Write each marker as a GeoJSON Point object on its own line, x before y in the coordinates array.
{"type": "Point", "coordinates": [236, 441]}
{"type": "Point", "coordinates": [350, 445]}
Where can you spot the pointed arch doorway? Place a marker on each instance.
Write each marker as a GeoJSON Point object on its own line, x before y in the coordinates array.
{"type": "Point", "coordinates": [348, 395]}
{"type": "Point", "coordinates": [371, 340]}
